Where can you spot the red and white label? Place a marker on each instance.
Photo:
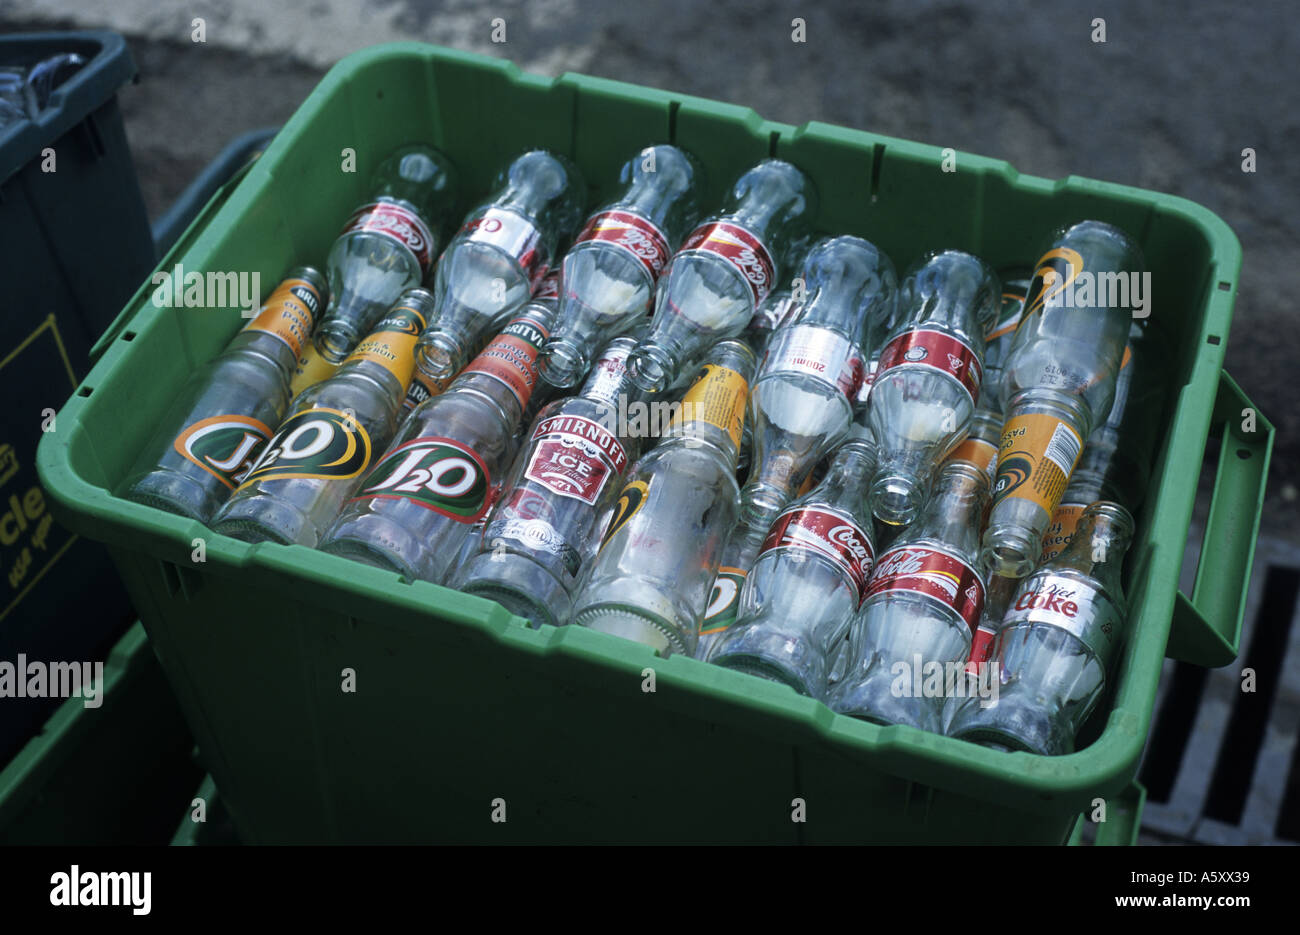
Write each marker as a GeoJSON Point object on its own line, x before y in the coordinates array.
{"type": "Point", "coordinates": [574, 457]}
{"type": "Point", "coordinates": [741, 249]}
{"type": "Point", "coordinates": [922, 570]}
{"type": "Point", "coordinates": [549, 288]}
{"type": "Point", "coordinates": [935, 349]}
{"type": "Point", "coordinates": [836, 537]}
{"type": "Point", "coordinates": [818, 352]}
{"type": "Point", "coordinates": [981, 648]}
{"type": "Point", "coordinates": [1078, 607]}
{"type": "Point", "coordinates": [398, 222]}
{"type": "Point", "coordinates": [514, 234]}
{"type": "Point", "coordinates": [633, 233]}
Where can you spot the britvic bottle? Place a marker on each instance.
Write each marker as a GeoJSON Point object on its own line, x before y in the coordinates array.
{"type": "Point", "coordinates": [330, 439]}
{"type": "Point", "coordinates": [611, 270]}
{"type": "Point", "coordinates": [1061, 634]}
{"type": "Point", "coordinates": [723, 271]}
{"type": "Point", "coordinates": [724, 600]}
{"type": "Point", "coordinates": [808, 581]}
{"type": "Point", "coordinates": [217, 425]}
{"type": "Point", "coordinates": [651, 578]}
{"type": "Point", "coordinates": [1059, 381]}
{"type": "Point", "coordinates": [928, 377]}
{"type": "Point", "coordinates": [911, 642]}
{"type": "Point", "coordinates": [544, 525]}
{"type": "Point", "coordinates": [385, 247]}
{"type": "Point", "coordinates": [503, 251]}
{"type": "Point", "coordinates": [440, 474]}
{"type": "Point", "coordinates": [802, 401]}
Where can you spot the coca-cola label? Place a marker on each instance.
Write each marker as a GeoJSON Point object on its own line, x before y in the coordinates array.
{"type": "Point", "coordinates": [574, 457]}
{"type": "Point", "coordinates": [741, 249]}
{"type": "Point", "coordinates": [514, 234]}
{"type": "Point", "coordinates": [398, 222]}
{"type": "Point", "coordinates": [981, 648]}
{"type": "Point", "coordinates": [940, 575]}
{"type": "Point", "coordinates": [818, 352]}
{"type": "Point", "coordinates": [439, 474]}
{"type": "Point", "coordinates": [837, 537]}
{"type": "Point", "coordinates": [1078, 607]}
{"type": "Point", "coordinates": [632, 233]}
{"type": "Point", "coordinates": [929, 348]}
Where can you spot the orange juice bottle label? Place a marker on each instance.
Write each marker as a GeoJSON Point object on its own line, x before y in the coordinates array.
{"type": "Point", "coordinates": [1037, 454]}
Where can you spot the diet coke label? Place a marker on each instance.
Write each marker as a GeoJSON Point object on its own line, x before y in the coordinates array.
{"type": "Point", "coordinates": [741, 249]}
{"type": "Point", "coordinates": [937, 350]}
{"type": "Point", "coordinates": [832, 535]}
{"type": "Point", "coordinates": [514, 234]}
{"type": "Point", "coordinates": [1078, 607]}
{"type": "Point", "coordinates": [818, 352]}
{"type": "Point", "coordinates": [631, 232]}
{"type": "Point", "coordinates": [574, 457]}
{"type": "Point", "coordinates": [940, 575]}
{"type": "Point", "coordinates": [400, 223]}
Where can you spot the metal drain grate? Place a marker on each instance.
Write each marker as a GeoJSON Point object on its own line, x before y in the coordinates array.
{"type": "Point", "coordinates": [1223, 765]}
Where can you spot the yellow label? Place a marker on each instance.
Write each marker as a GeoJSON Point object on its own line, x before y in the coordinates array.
{"type": "Point", "coordinates": [976, 451]}
{"type": "Point", "coordinates": [289, 313]}
{"type": "Point", "coordinates": [312, 369]}
{"type": "Point", "coordinates": [630, 500]}
{"type": "Point", "coordinates": [717, 397]}
{"type": "Point", "coordinates": [1064, 522]}
{"type": "Point", "coordinates": [1037, 454]}
{"type": "Point", "coordinates": [392, 343]}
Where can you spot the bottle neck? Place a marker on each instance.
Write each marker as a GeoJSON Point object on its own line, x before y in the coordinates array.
{"type": "Point", "coordinates": [953, 512]}
{"type": "Point", "coordinates": [849, 475]}
{"type": "Point", "coordinates": [370, 378]}
{"type": "Point", "coordinates": [1100, 542]}
{"type": "Point", "coordinates": [265, 348]}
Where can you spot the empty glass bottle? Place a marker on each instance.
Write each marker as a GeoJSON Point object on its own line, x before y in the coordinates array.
{"type": "Point", "coordinates": [999, 338]}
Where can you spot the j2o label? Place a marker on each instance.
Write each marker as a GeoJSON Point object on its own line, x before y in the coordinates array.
{"type": "Point", "coordinates": [439, 474]}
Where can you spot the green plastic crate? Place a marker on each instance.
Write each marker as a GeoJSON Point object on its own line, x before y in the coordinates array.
{"type": "Point", "coordinates": [459, 708]}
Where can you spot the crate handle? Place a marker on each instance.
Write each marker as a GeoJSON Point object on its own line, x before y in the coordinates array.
{"type": "Point", "coordinates": [1206, 627]}
{"type": "Point", "coordinates": [1123, 818]}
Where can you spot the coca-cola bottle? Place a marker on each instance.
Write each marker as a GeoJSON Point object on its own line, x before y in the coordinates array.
{"type": "Point", "coordinates": [441, 473]}
{"type": "Point", "coordinates": [611, 270]}
{"type": "Point", "coordinates": [650, 579]}
{"type": "Point", "coordinates": [386, 246]}
{"type": "Point", "coordinates": [928, 377]}
{"type": "Point", "coordinates": [498, 258]}
{"type": "Point", "coordinates": [1059, 382]}
{"type": "Point", "coordinates": [802, 401]}
{"type": "Point", "coordinates": [1060, 635]}
{"type": "Point", "coordinates": [544, 525]}
{"type": "Point", "coordinates": [723, 271]}
{"type": "Point", "coordinates": [912, 639]}
{"type": "Point", "coordinates": [808, 580]}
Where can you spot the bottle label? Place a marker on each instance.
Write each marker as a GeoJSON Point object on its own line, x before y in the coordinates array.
{"type": "Point", "coordinates": [312, 369]}
{"type": "Point", "coordinates": [574, 457]}
{"type": "Point", "coordinates": [534, 535]}
{"type": "Point", "coordinates": [633, 233]}
{"type": "Point", "coordinates": [224, 446]}
{"type": "Point", "coordinates": [439, 474]}
{"type": "Point", "coordinates": [832, 535]}
{"type": "Point", "coordinates": [422, 387]}
{"type": "Point", "coordinates": [391, 343]}
{"type": "Point", "coordinates": [1037, 454]}
{"type": "Point", "coordinates": [724, 601]}
{"type": "Point", "coordinates": [630, 501]}
{"type": "Point", "coordinates": [981, 648]}
{"type": "Point", "coordinates": [326, 444]}
{"type": "Point", "coordinates": [548, 290]}
{"type": "Point", "coordinates": [937, 350]}
{"type": "Point", "coordinates": [1061, 530]}
{"type": "Point", "coordinates": [511, 358]}
{"type": "Point", "coordinates": [607, 376]}
{"type": "Point", "coordinates": [818, 352]}
{"type": "Point", "coordinates": [717, 397]}
{"type": "Point", "coordinates": [290, 313]}
{"type": "Point", "coordinates": [983, 454]}
{"type": "Point", "coordinates": [940, 575]}
{"type": "Point", "coordinates": [1078, 607]}
{"type": "Point", "coordinates": [397, 222]}
{"type": "Point", "coordinates": [1053, 274]}
{"type": "Point", "coordinates": [514, 234]}
{"type": "Point", "coordinates": [741, 249]}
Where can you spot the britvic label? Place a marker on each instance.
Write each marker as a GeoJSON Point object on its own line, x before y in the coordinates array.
{"type": "Point", "coordinates": [837, 537]}
{"type": "Point", "coordinates": [922, 570]}
{"type": "Point", "coordinates": [224, 446]}
{"type": "Point", "coordinates": [935, 349]}
{"type": "Point", "coordinates": [328, 444]}
{"type": "Point", "coordinates": [439, 474]}
{"type": "Point", "coordinates": [512, 357]}
{"type": "Point", "coordinates": [391, 343]}
{"type": "Point", "coordinates": [817, 352]}
{"type": "Point", "coordinates": [724, 601]}
{"type": "Point", "coordinates": [1078, 607]}
{"type": "Point", "coordinates": [633, 233]}
{"type": "Point", "coordinates": [514, 234]}
{"type": "Point", "coordinates": [398, 222]}
{"type": "Point", "coordinates": [741, 249]}
{"type": "Point", "coordinates": [290, 313]}
{"type": "Point", "coordinates": [574, 457]}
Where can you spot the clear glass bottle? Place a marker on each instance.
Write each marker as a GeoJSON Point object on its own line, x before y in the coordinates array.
{"type": "Point", "coordinates": [651, 578]}
{"type": "Point", "coordinates": [1060, 635]}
